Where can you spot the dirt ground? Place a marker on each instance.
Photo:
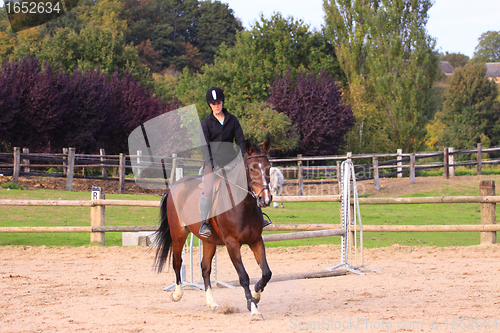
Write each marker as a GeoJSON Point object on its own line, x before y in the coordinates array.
{"type": "Point", "coordinates": [114, 289]}
{"type": "Point", "coordinates": [96, 289]}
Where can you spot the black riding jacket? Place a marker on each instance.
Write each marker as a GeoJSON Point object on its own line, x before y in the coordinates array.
{"type": "Point", "coordinates": [216, 154]}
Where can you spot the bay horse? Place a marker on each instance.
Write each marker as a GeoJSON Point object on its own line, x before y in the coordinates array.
{"type": "Point", "coordinates": [242, 224]}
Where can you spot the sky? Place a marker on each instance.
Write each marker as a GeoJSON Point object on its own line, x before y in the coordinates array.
{"type": "Point", "coordinates": [456, 24]}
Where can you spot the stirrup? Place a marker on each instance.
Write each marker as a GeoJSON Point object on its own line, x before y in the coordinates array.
{"type": "Point", "coordinates": [266, 222]}
{"type": "Point", "coordinates": [205, 230]}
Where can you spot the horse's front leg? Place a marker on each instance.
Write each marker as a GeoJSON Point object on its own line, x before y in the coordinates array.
{"type": "Point", "coordinates": [259, 252]}
{"type": "Point", "coordinates": [233, 248]}
{"type": "Point", "coordinates": [206, 269]}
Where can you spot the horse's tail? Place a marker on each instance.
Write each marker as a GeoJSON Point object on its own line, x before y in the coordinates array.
{"type": "Point", "coordinates": [163, 238]}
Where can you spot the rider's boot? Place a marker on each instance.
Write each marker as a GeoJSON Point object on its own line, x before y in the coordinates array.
{"type": "Point", "coordinates": [266, 223]}
{"type": "Point", "coordinates": [205, 205]}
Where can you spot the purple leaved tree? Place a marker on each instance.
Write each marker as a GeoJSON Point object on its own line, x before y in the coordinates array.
{"type": "Point", "coordinates": [45, 109]}
{"type": "Point", "coordinates": [315, 105]}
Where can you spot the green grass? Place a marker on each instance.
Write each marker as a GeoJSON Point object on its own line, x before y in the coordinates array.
{"type": "Point", "coordinates": [12, 186]}
{"type": "Point", "coordinates": [487, 169]}
{"type": "Point", "coordinates": [417, 214]}
{"type": "Point", "coordinates": [24, 216]}
{"type": "Point", "coordinates": [293, 213]}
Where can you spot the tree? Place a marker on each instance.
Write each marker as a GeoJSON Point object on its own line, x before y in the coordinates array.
{"type": "Point", "coordinates": [215, 24]}
{"type": "Point", "coordinates": [488, 49]}
{"type": "Point", "coordinates": [28, 43]}
{"type": "Point", "coordinates": [93, 47]}
{"type": "Point", "coordinates": [178, 29]}
{"type": "Point", "coordinates": [470, 113]}
{"type": "Point", "coordinates": [390, 65]}
{"type": "Point", "coordinates": [258, 119]}
{"type": "Point", "coordinates": [182, 33]}
{"type": "Point", "coordinates": [264, 121]}
{"type": "Point", "coordinates": [317, 109]}
{"type": "Point", "coordinates": [455, 59]}
{"type": "Point", "coordinates": [7, 37]}
{"type": "Point", "coordinates": [403, 68]}
{"type": "Point", "coordinates": [149, 56]}
{"type": "Point", "coordinates": [245, 71]}
{"type": "Point", "coordinates": [47, 109]}
{"type": "Point", "coordinates": [106, 14]}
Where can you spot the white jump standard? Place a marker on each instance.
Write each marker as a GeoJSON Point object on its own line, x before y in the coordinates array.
{"type": "Point", "coordinates": [349, 218]}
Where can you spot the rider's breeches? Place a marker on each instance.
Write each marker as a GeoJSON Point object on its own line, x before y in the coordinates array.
{"type": "Point", "coordinates": [209, 176]}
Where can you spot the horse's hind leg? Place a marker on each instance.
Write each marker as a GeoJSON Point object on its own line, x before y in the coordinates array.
{"type": "Point", "coordinates": [233, 248]}
{"type": "Point", "coordinates": [259, 252]}
{"type": "Point", "coordinates": [177, 247]}
{"type": "Point", "coordinates": [206, 269]}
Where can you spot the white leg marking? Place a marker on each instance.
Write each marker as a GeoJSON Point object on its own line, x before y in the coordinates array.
{"type": "Point", "coordinates": [177, 294]}
{"type": "Point", "coordinates": [210, 299]}
{"type": "Point", "coordinates": [256, 313]}
{"type": "Point", "coordinates": [256, 296]}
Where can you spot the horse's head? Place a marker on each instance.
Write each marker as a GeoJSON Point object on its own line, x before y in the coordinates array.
{"type": "Point", "coordinates": [257, 167]}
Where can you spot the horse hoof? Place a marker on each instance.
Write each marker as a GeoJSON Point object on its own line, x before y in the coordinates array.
{"type": "Point", "coordinates": [214, 307]}
{"type": "Point", "coordinates": [258, 317]}
{"type": "Point", "coordinates": [256, 314]}
{"type": "Point", "coordinates": [175, 298]}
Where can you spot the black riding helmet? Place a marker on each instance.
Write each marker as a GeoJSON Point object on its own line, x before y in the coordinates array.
{"type": "Point", "coordinates": [215, 94]}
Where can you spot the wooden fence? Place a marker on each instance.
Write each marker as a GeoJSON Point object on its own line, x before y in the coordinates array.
{"type": "Point", "coordinates": [23, 163]}
{"type": "Point", "coordinates": [97, 228]}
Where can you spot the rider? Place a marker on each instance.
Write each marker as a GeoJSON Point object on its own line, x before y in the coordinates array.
{"type": "Point", "coordinates": [218, 126]}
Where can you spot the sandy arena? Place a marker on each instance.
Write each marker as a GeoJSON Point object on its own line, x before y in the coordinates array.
{"type": "Point", "coordinates": [101, 289]}
{"type": "Point", "coordinates": [114, 289]}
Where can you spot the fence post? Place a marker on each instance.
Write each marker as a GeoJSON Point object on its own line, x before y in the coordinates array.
{"type": "Point", "coordinates": [375, 173]}
{"type": "Point", "coordinates": [479, 158]}
{"type": "Point", "coordinates": [445, 162]}
{"type": "Point", "coordinates": [299, 175]}
{"type": "Point", "coordinates": [17, 165]}
{"type": "Point", "coordinates": [97, 215]}
{"type": "Point", "coordinates": [412, 168]}
{"type": "Point", "coordinates": [451, 159]}
{"type": "Point", "coordinates": [26, 162]}
{"type": "Point", "coordinates": [339, 177]}
{"type": "Point", "coordinates": [174, 167]}
{"type": "Point", "coordinates": [488, 211]}
{"type": "Point", "coordinates": [121, 173]}
{"type": "Point", "coordinates": [104, 170]}
{"type": "Point", "coordinates": [65, 168]}
{"type": "Point", "coordinates": [139, 168]}
{"type": "Point", "coordinates": [400, 164]}
{"type": "Point", "coordinates": [71, 167]}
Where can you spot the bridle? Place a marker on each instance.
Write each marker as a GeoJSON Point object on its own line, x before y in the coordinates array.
{"type": "Point", "coordinates": [264, 186]}
{"type": "Point", "coordinates": [250, 183]}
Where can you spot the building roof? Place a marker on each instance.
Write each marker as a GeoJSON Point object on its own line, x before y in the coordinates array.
{"type": "Point", "coordinates": [446, 67]}
{"type": "Point", "coordinates": [493, 69]}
